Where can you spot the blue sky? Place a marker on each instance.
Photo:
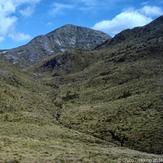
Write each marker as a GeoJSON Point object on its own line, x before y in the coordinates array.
{"type": "Point", "coordinates": [22, 20]}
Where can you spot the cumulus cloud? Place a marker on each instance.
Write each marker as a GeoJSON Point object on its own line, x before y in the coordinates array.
{"type": "Point", "coordinates": [129, 19]}
{"type": "Point", "coordinates": [8, 17]}
{"type": "Point", "coordinates": [124, 20]}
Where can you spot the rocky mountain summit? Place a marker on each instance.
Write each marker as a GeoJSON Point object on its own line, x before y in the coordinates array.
{"type": "Point", "coordinates": [65, 37]}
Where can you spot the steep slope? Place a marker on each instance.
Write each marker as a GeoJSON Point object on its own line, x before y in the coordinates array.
{"type": "Point", "coordinates": [66, 37]}
{"type": "Point", "coordinates": [114, 93]}
{"type": "Point", "coordinates": [149, 32]}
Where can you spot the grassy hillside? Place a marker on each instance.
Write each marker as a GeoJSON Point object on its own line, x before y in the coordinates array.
{"type": "Point", "coordinates": [30, 133]}
{"type": "Point", "coordinates": [114, 93]}
{"type": "Point", "coordinates": [97, 106]}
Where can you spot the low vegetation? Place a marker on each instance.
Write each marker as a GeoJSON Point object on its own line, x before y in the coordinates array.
{"type": "Point", "coordinates": [100, 106]}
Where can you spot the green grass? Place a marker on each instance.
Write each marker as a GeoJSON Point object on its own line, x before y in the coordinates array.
{"type": "Point", "coordinates": [32, 143]}
{"type": "Point", "coordinates": [94, 107]}
{"type": "Point", "coordinates": [116, 100]}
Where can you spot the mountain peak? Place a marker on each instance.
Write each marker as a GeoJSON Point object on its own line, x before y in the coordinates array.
{"type": "Point", "coordinates": [76, 28]}
{"type": "Point", "coordinates": [66, 37]}
{"type": "Point", "coordinates": [69, 25]}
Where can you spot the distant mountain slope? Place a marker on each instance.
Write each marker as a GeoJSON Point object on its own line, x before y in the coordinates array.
{"type": "Point", "coordinates": [151, 31]}
{"type": "Point", "coordinates": [65, 37]}
{"type": "Point", "coordinates": [114, 93]}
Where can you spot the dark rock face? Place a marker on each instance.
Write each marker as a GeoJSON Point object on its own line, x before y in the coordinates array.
{"type": "Point", "coordinates": [66, 37]}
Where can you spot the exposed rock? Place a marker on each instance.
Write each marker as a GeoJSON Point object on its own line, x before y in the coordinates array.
{"type": "Point", "coordinates": [66, 37]}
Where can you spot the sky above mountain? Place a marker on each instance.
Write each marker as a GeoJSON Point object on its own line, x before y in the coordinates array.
{"type": "Point", "coordinates": [21, 20]}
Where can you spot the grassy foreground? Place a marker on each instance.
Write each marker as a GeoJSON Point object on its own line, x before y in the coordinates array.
{"type": "Point", "coordinates": [29, 131]}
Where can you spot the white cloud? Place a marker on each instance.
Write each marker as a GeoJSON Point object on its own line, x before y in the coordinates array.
{"type": "Point", "coordinates": [90, 2]}
{"type": "Point", "coordinates": [20, 36]}
{"type": "Point", "coordinates": [28, 11]}
{"type": "Point", "coordinates": [1, 39]}
{"type": "Point", "coordinates": [83, 5]}
{"type": "Point", "coordinates": [58, 8]}
{"type": "Point", "coordinates": [96, 3]}
{"type": "Point", "coordinates": [152, 11]}
{"type": "Point", "coordinates": [20, 2]}
{"type": "Point", "coordinates": [7, 23]}
{"type": "Point", "coordinates": [8, 16]}
{"type": "Point", "coordinates": [128, 19]}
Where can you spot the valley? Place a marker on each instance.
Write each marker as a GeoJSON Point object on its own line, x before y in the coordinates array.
{"type": "Point", "coordinates": [98, 104]}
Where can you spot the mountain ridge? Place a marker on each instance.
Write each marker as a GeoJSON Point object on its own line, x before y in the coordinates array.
{"type": "Point", "coordinates": [65, 37]}
{"type": "Point", "coordinates": [137, 33]}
